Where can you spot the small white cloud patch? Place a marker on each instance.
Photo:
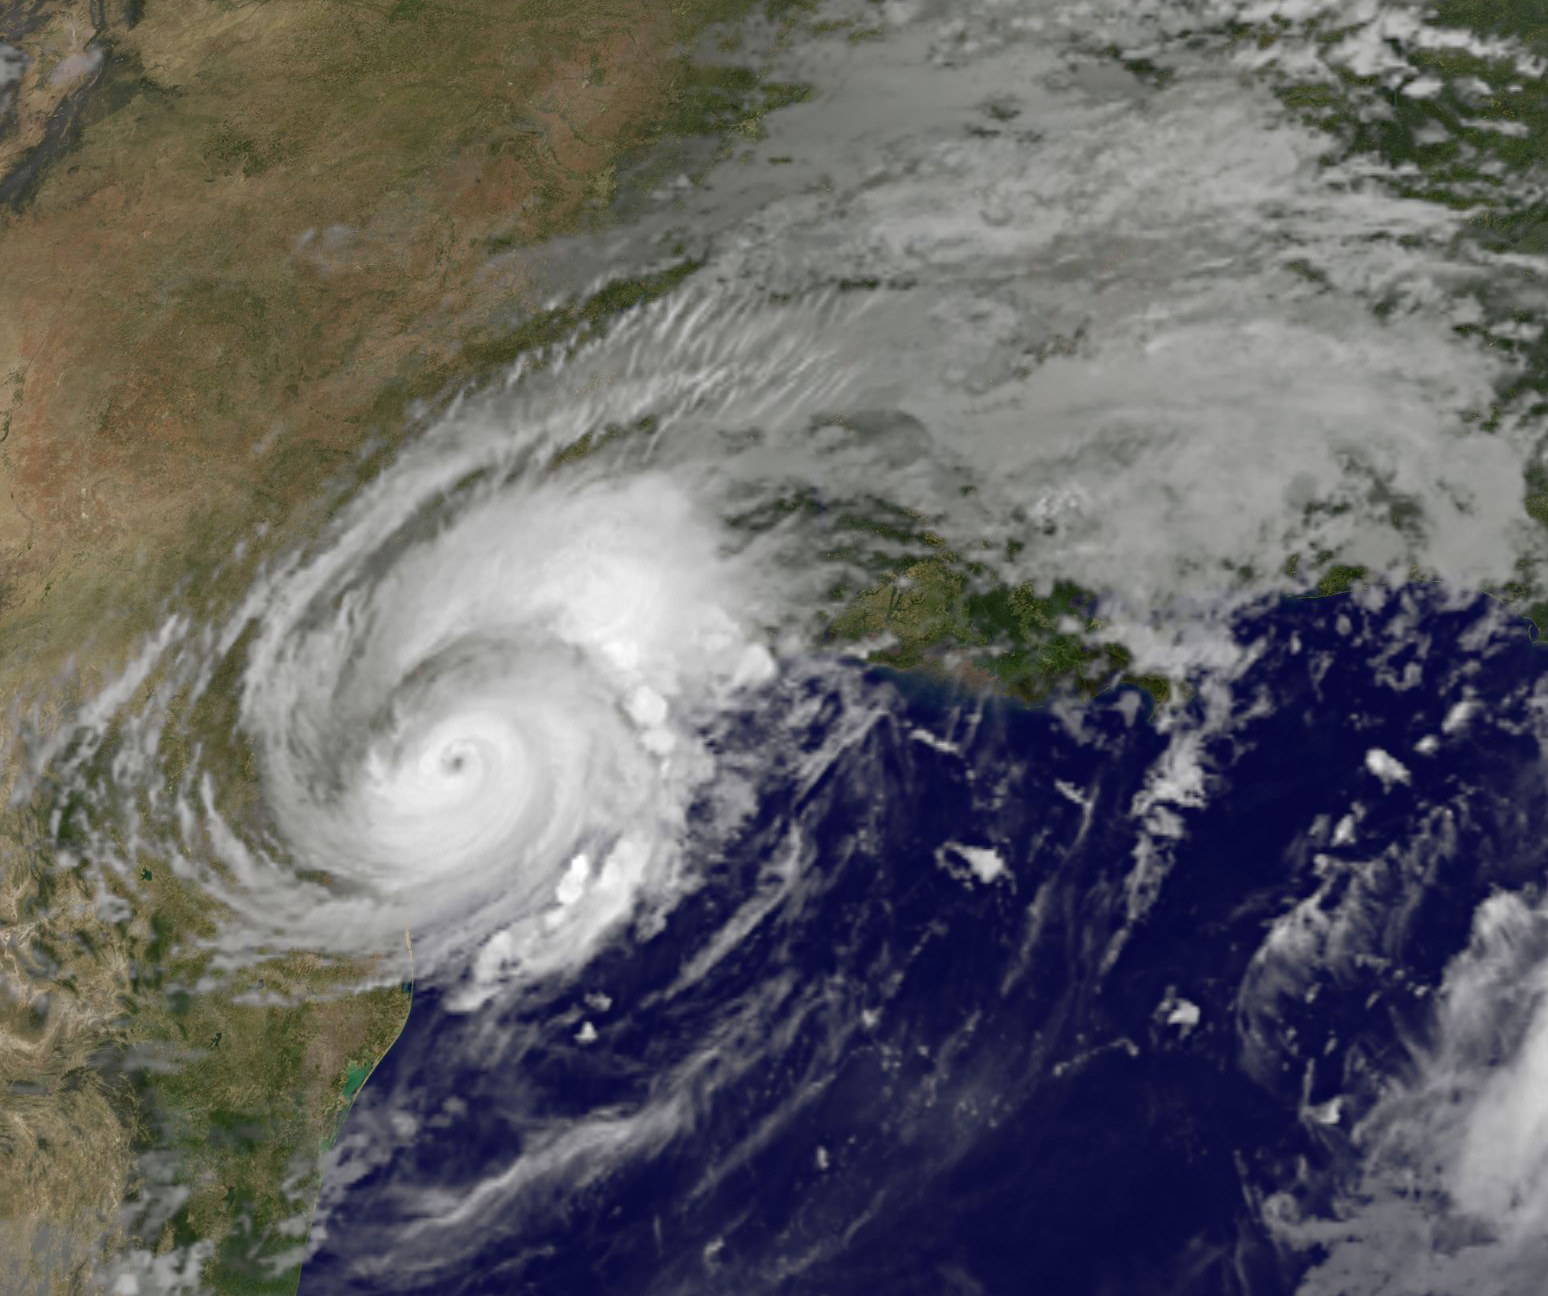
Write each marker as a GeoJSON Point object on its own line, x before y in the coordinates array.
{"type": "Point", "coordinates": [1182, 1015]}
{"type": "Point", "coordinates": [965, 862]}
{"type": "Point", "coordinates": [573, 885]}
{"type": "Point", "coordinates": [1458, 716]}
{"type": "Point", "coordinates": [1386, 767]}
{"type": "Point", "coordinates": [1328, 1113]}
{"type": "Point", "coordinates": [932, 740]}
{"type": "Point", "coordinates": [1071, 793]}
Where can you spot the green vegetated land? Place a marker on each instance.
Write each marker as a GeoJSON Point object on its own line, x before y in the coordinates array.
{"type": "Point", "coordinates": [912, 603]}
{"type": "Point", "coordinates": [248, 1100]}
{"type": "Point", "coordinates": [946, 618]}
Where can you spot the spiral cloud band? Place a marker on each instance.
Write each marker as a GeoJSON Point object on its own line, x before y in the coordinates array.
{"type": "Point", "coordinates": [515, 690]}
{"type": "Point", "coordinates": [474, 709]}
{"type": "Point", "coordinates": [514, 687]}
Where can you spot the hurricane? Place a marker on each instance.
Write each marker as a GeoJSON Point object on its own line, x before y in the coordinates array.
{"type": "Point", "coordinates": [489, 678]}
{"type": "Point", "coordinates": [853, 738]}
{"type": "Point", "coordinates": [518, 692]}
{"type": "Point", "coordinates": [476, 708]}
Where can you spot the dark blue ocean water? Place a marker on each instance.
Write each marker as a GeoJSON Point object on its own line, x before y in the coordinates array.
{"type": "Point", "coordinates": [849, 1065]}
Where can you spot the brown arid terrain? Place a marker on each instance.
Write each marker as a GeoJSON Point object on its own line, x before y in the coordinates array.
{"type": "Point", "coordinates": [271, 211]}
{"type": "Point", "coordinates": [237, 239]}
